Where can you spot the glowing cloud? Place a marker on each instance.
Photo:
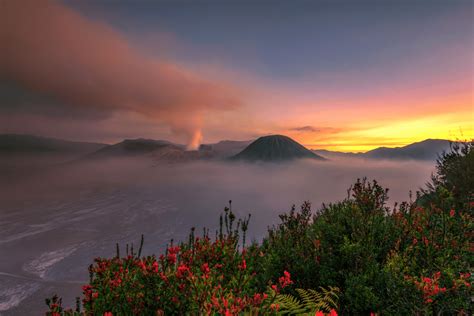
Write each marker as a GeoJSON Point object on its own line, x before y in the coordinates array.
{"type": "Point", "coordinates": [49, 49]}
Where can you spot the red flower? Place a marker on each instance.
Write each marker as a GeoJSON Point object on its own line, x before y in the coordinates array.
{"type": "Point", "coordinates": [108, 314]}
{"type": "Point", "coordinates": [172, 251]}
{"type": "Point", "coordinates": [205, 268]}
{"type": "Point", "coordinates": [163, 277]}
{"type": "Point", "coordinates": [274, 307]}
{"type": "Point", "coordinates": [319, 313]}
{"type": "Point", "coordinates": [285, 280]}
{"type": "Point", "coordinates": [332, 312]}
{"type": "Point", "coordinates": [243, 265]}
{"type": "Point", "coordinates": [182, 270]}
{"type": "Point", "coordinates": [452, 212]}
{"type": "Point", "coordinates": [142, 265]}
{"type": "Point", "coordinates": [426, 241]}
{"type": "Point", "coordinates": [155, 267]}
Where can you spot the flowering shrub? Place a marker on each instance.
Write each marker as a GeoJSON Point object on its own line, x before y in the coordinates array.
{"type": "Point", "coordinates": [428, 286]}
{"type": "Point", "coordinates": [434, 249]}
{"type": "Point", "coordinates": [203, 276]}
{"type": "Point", "coordinates": [414, 259]}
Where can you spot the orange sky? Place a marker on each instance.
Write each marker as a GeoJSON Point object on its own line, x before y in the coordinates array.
{"type": "Point", "coordinates": [328, 77]}
{"type": "Point", "coordinates": [363, 129]}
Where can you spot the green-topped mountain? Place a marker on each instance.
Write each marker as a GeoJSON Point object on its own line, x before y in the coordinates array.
{"type": "Point", "coordinates": [275, 148]}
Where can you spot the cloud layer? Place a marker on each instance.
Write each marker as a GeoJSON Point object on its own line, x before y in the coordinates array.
{"type": "Point", "coordinates": [89, 68]}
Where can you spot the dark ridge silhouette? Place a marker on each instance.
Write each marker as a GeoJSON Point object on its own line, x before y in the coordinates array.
{"type": "Point", "coordinates": [155, 150]}
{"type": "Point", "coordinates": [17, 144]}
{"type": "Point", "coordinates": [275, 148]}
{"type": "Point", "coordinates": [225, 148]}
{"type": "Point", "coordinates": [134, 147]}
{"type": "Point", "coordinates": [336, 154]}
{"type": "Point", "coordinates": [428, 149]}
{"type": "Point", "coordinates": [268, 148]}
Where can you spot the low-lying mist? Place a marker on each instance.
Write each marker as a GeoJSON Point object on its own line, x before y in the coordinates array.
{"type": "Point", "coordinates": [198, 188]}
{"type": "Point", "coordinates": [55, 220]}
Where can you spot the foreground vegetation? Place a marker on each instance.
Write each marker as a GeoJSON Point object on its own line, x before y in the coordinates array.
{"type": "Point", "coordinates": [354, 257]}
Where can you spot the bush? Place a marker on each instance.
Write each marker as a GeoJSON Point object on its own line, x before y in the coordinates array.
{"type": "Point", "coordinates": [414, 259]}
{"type": "Point", "coordinates": [201, 276]}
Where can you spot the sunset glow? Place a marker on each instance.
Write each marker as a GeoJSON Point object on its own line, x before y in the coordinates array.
{"type": "Point", "coordinates": [125, 75]}
{"type": "Point", "coordinates": [236, 157]}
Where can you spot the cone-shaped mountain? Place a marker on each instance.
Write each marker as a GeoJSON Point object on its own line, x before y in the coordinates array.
{"type": "Point", "coordinates": [275, 148]}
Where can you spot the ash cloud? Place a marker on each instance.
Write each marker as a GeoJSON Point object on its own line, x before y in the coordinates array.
{"type": "Point", "coordinates": [90, 70]}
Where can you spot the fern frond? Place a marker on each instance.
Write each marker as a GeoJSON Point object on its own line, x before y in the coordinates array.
{"type": "Point", "coordinates": [311, 301]}
{"type": "Point", "coordinates": [289, 305]}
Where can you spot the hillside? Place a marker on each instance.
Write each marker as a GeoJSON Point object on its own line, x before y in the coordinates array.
{"type": "Point", "coordinates": [157, 150]}
{"type": "Point", "coordinates": [275, 148]}
{"type": "Point", "coordinates": [225, 148]}
{"type": "Point", "coordinates": [18, 144]}
{"type": "Point", "coordinates": [132, 147]}
{"type": "Point", "coordinates": [329, 154]}
{"type": "Point", "coordinates": [428, 149]}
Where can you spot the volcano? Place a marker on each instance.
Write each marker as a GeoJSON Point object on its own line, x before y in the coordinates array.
{"type": "Point", "coordinates": [275, 148]}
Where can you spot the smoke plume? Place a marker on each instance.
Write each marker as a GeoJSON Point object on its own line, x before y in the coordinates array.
{"type": "Point", "coordinates": [87, 66]}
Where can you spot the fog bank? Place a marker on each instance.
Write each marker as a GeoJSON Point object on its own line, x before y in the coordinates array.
{"type": "Point", "coordinates": [53, 222]}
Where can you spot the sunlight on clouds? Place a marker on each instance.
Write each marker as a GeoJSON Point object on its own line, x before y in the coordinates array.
{"type": "Point", "coordinates": [455, 126]}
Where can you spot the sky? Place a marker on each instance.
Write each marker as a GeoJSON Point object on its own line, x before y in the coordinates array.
{"type": "Point", "coordinates": [339, 75]}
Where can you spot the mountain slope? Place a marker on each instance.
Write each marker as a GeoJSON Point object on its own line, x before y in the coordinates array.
{"type": "Point", "coordinates": [154, 150]}
{"type": "Point", "coordinates": [225, 148]}
{"type": "Point", "coordinates": [424, 150]}
{"type": "Point", "coordinates": [275, 148]}
{"type": "Point", "coordinates": [17, 144]}
{"type": "Point", "coordinates": [133, 147]}
{"type": "Point", "coordinates": [329, 154]}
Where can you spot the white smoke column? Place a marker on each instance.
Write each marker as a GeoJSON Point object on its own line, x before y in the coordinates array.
{"type": "Point", "coordinates": [195, 140]}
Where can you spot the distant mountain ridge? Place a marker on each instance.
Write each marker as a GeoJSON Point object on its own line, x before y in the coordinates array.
{"type": "Point", "coordinates": [267, 148]}
{"type": "Point", "coordinates": [275, 148]}
{"type": "Point", "coordinates": [155, 150]}
{"type": "Point", "coordinates": [428, 149]}
{"type": "Point", "coordinates": [336, 154]}
{"type": "Point", "coordinates": [225, 148]}
{"type": "Point", "coordinates": [14, 144]}
{"type": "Point", "coordinates": [132, 147]}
